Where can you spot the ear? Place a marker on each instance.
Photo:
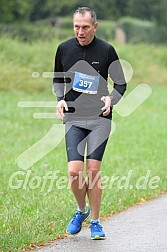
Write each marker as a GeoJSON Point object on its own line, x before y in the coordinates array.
{"type": "Point", "coordinates": [95, 26]}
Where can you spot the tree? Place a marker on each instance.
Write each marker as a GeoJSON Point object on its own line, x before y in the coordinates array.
{"type": "Point", "coordinates": [14, 10]}
{"type": "Point", "coordinates": [109, 9]}
{"type": "Point", "coordinates": [149, 10]}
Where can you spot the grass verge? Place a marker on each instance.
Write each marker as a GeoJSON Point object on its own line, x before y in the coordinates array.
{"type": "Point", "coordinates": [33, 213]}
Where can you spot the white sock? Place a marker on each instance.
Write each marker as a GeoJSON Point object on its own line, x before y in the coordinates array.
{"type": "Point", "coordinates": [82, 208]}
{"type": "Point", "coordinates": [95, 220]}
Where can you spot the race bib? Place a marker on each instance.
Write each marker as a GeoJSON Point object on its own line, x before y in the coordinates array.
{"type": "Point", "coordinates": [85, 83]}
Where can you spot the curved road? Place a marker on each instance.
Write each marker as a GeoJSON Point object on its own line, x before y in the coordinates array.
{"type": "Point", "coordinates": [142, 228]}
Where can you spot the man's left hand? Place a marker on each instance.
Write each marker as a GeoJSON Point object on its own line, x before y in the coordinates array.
{"type": "Point", "coordinates": [106, 108]}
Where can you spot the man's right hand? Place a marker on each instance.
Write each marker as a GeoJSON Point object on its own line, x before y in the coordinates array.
{"type": "Point", "coordinates": [59, 109]}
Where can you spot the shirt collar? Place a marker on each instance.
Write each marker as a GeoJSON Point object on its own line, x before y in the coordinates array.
{"type": "Point", "coordinates": [86, 46]}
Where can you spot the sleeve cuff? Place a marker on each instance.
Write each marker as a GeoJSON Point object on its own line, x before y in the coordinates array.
{"type": "Point", "coordinates": [60, 98]}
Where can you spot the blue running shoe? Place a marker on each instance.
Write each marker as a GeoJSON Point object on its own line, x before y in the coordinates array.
{"type": "Point", "coordinates": [96, 231]}
{"type": "Point", "coordinates": [75, 224]}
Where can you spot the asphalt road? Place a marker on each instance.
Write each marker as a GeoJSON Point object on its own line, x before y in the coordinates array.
{"type": "Point", "coordinates": [142, 228]}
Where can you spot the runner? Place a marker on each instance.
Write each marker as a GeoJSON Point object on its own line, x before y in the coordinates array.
{"type": "Point", "coordinates": [85, 106]}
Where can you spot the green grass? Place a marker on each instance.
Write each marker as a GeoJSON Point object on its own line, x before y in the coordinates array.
{"type": "Point", "coordinates": [32, 216]}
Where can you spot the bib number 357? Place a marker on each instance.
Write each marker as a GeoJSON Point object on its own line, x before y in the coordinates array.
{"type": "Point", "coordinates": [86, 84]}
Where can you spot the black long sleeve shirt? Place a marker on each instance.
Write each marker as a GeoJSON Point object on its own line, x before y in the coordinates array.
{"type": "Point", "coordinates": [96, 58]}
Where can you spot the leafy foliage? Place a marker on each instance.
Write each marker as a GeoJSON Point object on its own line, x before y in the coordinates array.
{"type": "Point", "coordinates": [109, 9]}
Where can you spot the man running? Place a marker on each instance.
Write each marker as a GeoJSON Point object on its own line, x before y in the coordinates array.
{"type": "Point", "coordinates": [85, 106]}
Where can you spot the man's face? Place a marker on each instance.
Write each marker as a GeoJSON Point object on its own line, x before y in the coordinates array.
{"type": "Point", "coordinates": [83, 28]}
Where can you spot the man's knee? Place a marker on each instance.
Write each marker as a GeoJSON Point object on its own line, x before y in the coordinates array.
{"type": "Point", "coordinates": [75, 168]}
{"type": "Point", "coordinates": [92, 174]}
{"type": "Point", "coordinates": [72, 172]}
{"type": "Point", "coordinates": [93, 170]}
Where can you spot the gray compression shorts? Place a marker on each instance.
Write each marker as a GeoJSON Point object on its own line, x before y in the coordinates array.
{"type": "Point", "coordinates": [89, 135]}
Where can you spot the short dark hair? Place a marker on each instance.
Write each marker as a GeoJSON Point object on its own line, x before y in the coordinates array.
{"type": "Point", "coordinates": [83, 10]}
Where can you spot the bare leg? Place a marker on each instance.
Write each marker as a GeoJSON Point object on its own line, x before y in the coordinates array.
{"type": "Point", "coordinates": [77, 181]}
{"type": "Point", "coordinates": [94, 186]}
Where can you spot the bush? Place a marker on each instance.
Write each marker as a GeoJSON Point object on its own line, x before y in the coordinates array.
{"type": "Point", "coordinates": [160, 34]}
{"type": "Point", "coordinates": [62, 28]}
{"type": "Point", "coordinates": [106, 29]}
{"type": "Point", "coordinates": [65, 23]}
{"type": "Point", "coordinates": [137, 30]}
{"type": "Point", "coordinates": [33, 32]}
{"type": "Point", "coordinates": [27, 32]}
